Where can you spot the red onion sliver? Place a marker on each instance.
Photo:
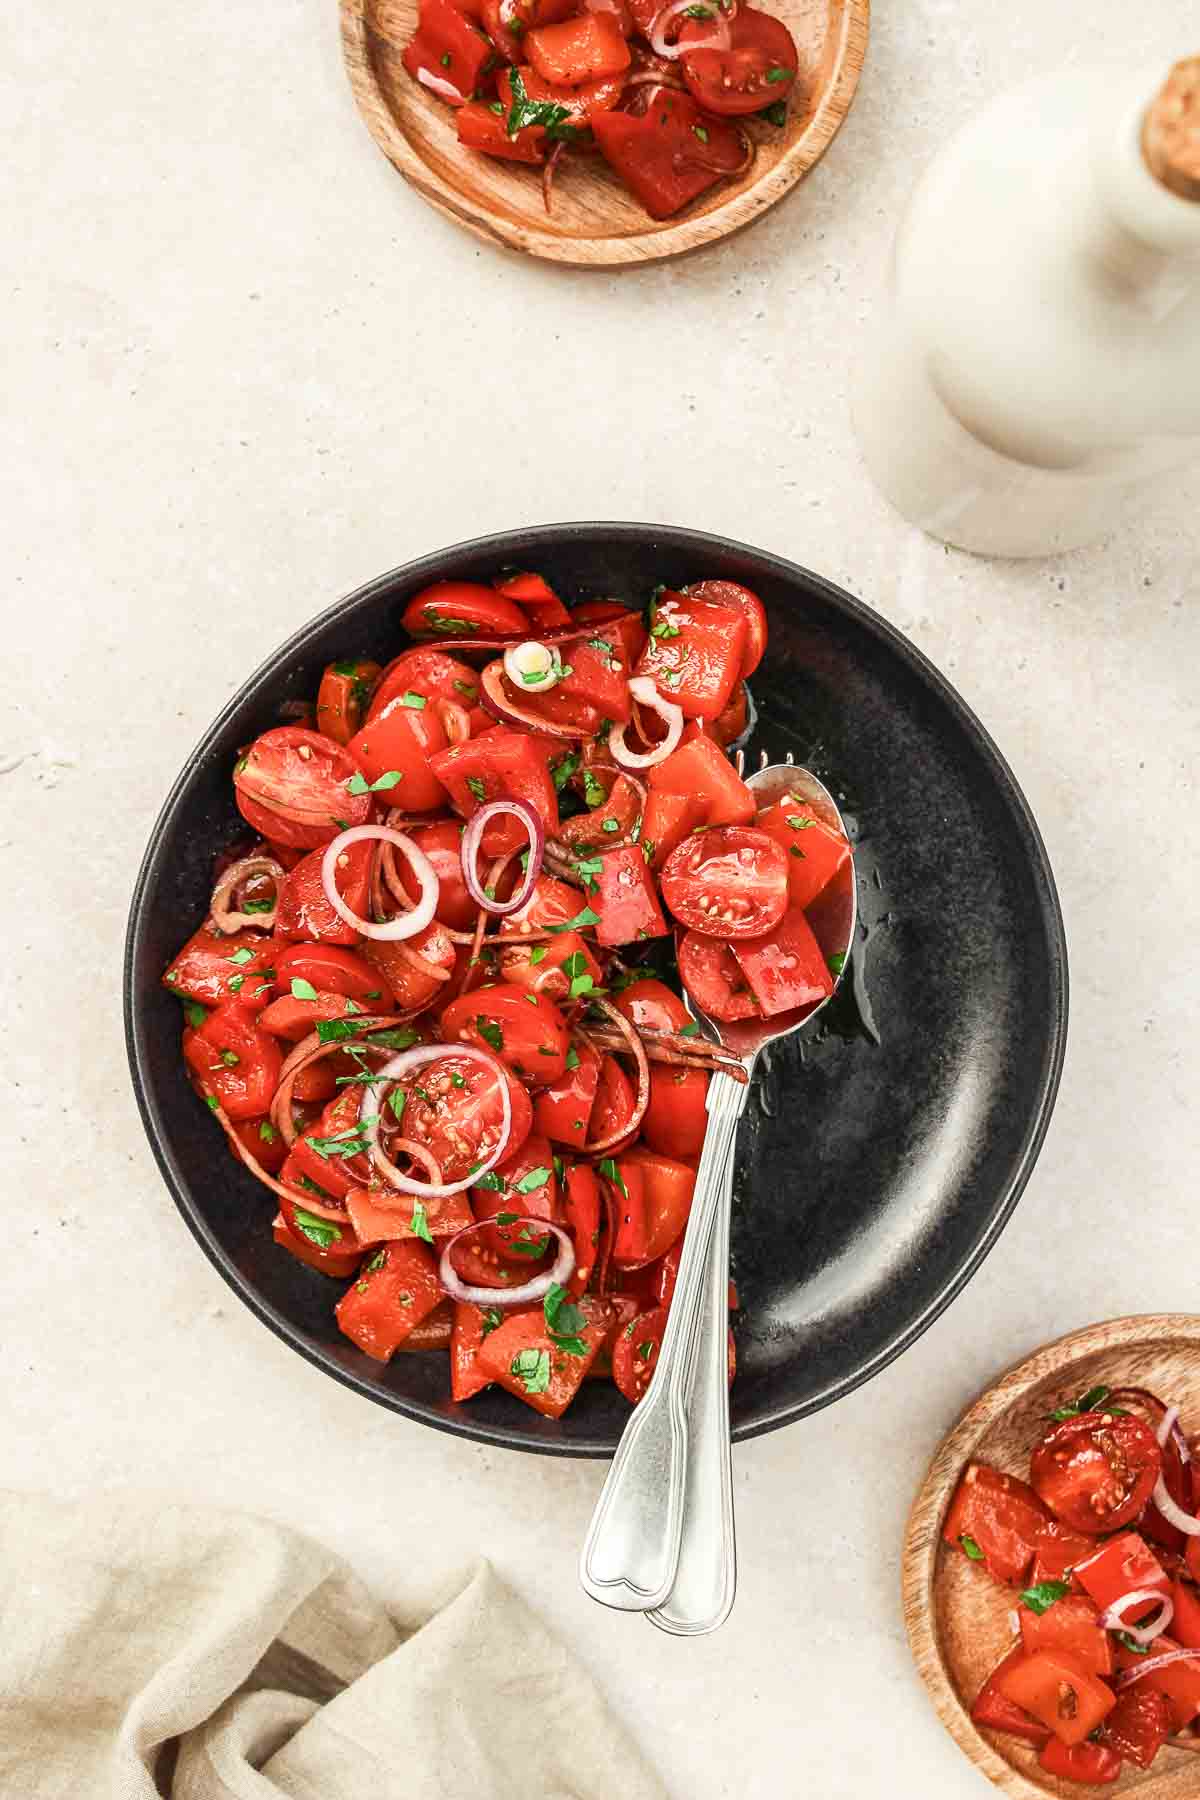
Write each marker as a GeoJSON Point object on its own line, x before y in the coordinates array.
{"type": "Point", "coordinates": [493, 699]}
{"type": "Point", "coordinates": [643, 690]}
{"type": "Point", "coordinates": [404, 925]}
{"type": "Point", "coordinates": [472, 843]}
{"type": "Point", "coordinates": [407, 1062]}
{"type": "Point", "coordinates": [1183, 1521]}
{"type": "Point", "coordinates": [1113, 1618]}
{"type": "Point", "coordinates": [225, 893]}
{"type": "Point", "coordinates": [719, 40]}
{"type": "Point", "coordinates": [1135, 1673]}
{"type": "Point", "coordinates": [529, 1291]}
{"type": "Point", "coordinates": [445, 90]}
{"type": "Point", "coordinates": [1171, 1428]}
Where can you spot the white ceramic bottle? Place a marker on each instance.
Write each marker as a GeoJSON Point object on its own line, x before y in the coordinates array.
{"type": "Point", "coordinates": [1036, 367]}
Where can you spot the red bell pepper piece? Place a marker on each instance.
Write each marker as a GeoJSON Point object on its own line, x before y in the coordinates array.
{"type": "Point", "coordinates": [1094, 1764]}
{"type": "Point", "coordinates": [1073, 1624]}
{"type": "Point", "coordinates": [451, 50]}
{"type": "Point", "coordinates": [578, 50]}
{"type": "Point", "coordinates": [701, 767]}
{"type": "Point", "coordinates": [996, 1713]}
{"type": "Point", "coordinates": [322, 1244]}
{"type": "Point", "coordinates": [1057, 1689]}
{"type": "Point", "coordinates": [1124, 1563]}
{"type": "Point", "coordinates": [523, 1357]}
{"type": "Point", "coordinates": [997, 1515]}
{"type": "Point", "coordinates": [502, 765]}
{"type": "Point", "coordinates": [814, 852]}
{"type": "Point", "coordinates": [562, 1110]}
{"type": "Point", "coordinates": [397, 1287]}
{"type": "Point", "coordinates": [662, 159]}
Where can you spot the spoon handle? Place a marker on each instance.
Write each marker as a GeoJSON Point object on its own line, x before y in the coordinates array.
{"type": "Point", "coordinates": [706, 1574]}
{"type": "Point", "coordinates": [631, 1550]}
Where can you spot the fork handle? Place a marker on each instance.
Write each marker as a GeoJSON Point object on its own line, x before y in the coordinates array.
{"type": "Point", "coordinates": [631, 1551]}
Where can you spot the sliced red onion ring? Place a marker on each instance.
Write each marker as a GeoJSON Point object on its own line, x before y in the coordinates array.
{"type": "Point", "coordinates": [493, 699]}
{"type": "Point", "coordinates": [1171, 1428]}
{"type": "Point", "coordinates": [445, 90]}
{"type": "Point", "coordinates": [1174, 1514]}
{"type": "Point", "coordinates": [719, 40]}
{"type": "Point", "coordinates": [224, 894]}
{"type": "Point", "coordinates": [404, 925]}
{"type": "Point", "coordinates": [560, 1272]}
{"type": "Point", "coordinates": [472, 843]}
{"type": "Point", "coordinates": [1113, 1619]}
{"type": "Point", "coordinates": [407, 1062]}
{"type": "Point", "coordinates": [644, 691]}
{"type": "Point", "coordinates": [1127, 1677]}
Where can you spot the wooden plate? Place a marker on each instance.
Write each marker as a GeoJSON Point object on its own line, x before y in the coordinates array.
{"type": "Point", "coordinates": [957, 1619]}
{"type": "Point", "coordinates": [594, 221]}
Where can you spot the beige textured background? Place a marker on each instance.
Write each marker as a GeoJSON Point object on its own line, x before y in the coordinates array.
{"type": "Point", "coordinates": [250, 371]}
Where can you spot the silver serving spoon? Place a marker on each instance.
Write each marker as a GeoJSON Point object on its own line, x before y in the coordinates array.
{"type": "Point", "coordinates": [661, 1540]}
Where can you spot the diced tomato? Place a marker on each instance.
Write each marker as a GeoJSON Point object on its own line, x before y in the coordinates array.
{"type": "Point", "coordinates": [1000, 1515]}
{"type": "Point", "coordinates": [661, 160]}
{"type": "Point", "coordinates": [814, 852]}
{"type": "Point", "coordinates": [581, 1207]}
{"type": "Point", "coordinates": [322, 1244]}
{"type": "Point", "coordinates": [626, 1181]}
{"type": "Point", "coordinates": [1058, 1550]}
{"type": "Point", "coordinates": [996, 1713]}
{"type": "Point", "coordinates": [627, 623]}
{"type": "Point", "coordinates": [1186, 1622]}
{"type": "Point", "coordinates": [1094, 1764]}
{"type": "Point", "coordinates": [786, 969]}
{"type": "Point", "coordinates": [1122, 1565]}
{"type": "Point", "coordinates": [551, 968]}
{"type": "Point", "coordinates": [212, 969]}
{"type": "Point", "coordinates": [462, 609]}
{"type": "Point", "coordinates": [295, 787]}
{"type": "Point", "coordinates": [711, 975]}
{"type": "Point", "coordinates": [667, 820]}
{"type": "Point", "coordinates": [1179, 1681]}
{"type": "Point", "coordinates": [293, 1018]}
{"type": "Point", "coordinates": [428, 671]}
{"type": "Point", "coordinates": [335, 970]}
{"type": "Point", "coordinates": [578, 50]}
{"type": "Point", "coordinates": [531, 593]}
{"type": "Point", "coordinates": [526, 1031]}
{"type": "Point", "coordinates": [503, 765]}
{"type": "Point", "coordinates": [378, 1215]}
{"type": "Point", "coordinates": [483, 125]}
{"type": "Point", "coordinates": [1139, 1724]}
{"type": "Point", "coordinates": [699, 767]}
{"type": "Point", "coordinates": [614, 1105]}
{"type": "Point", "coordinates": [1057, 1689]}
{"type": "Point", "coordinates": [635, 1352]}
{"type": "Point", "coordinates": [456, 1111]}
{"type": "Point", "coordinates": [626, 900]}
{"type": "Point", "coordinates": [449, 47]}
{"type": "Point", "coordinates": [400, 740]}
{"type": "Point", "coordinates": [579, 104]}
{"type": "Point", "coordinates": [561, 1111]}
{"type": "Point", "coordinates": [413, 987]}
{"type": "Point", "coordinates": [471, 1326]}
{"type": "Point", "coordinates": [667, 1187]}
{"type": "Point", "coordinates": [736, 598]}
{"type": "Point", "coordinates": [304, 911]}
{"type": "Point", "coordinates": [235, 1060]}
{"type": "Point", "coordinates": [343, 698]}
{"type": "Point", "coordinates": [522, 1356]}
{"type": "Point", "coordinates": [396, 1288]}
{"type": "Point", "coordinates": [676, 1118]}
{"type": "Point", "coordinates": [508, 22]}
{"type": "Point", "coordinates": [523, 1187]}
{"type": "Point", "coordinates": [1073, 1624]}
{"type": "Point", "coordinates": [694, 651]}
{"type": "Point", "coordinates": [263, 1141]}
{"type": "Point", "coordinates": [320, 1152]}
{"type": "Point", "coordinates": [730, 723]}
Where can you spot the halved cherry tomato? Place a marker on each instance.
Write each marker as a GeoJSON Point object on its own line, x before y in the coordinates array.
{"type": "Point", "coordinates": [212, 968]}
{"type": "Point", "coordinates": [303, 910]}
{"type": "Point", "coordinates": [525, 1030]}
{"type": "Point", "coordinates": [1073, 1624]}
{"type": "Point", "coordinates": [581, 1206]}
{"type": "Point", "coordinates": [399, 741]}
{"type": "Point", "coordinates": [336, 970]}
{"type": "Point", "coordinates": [412, 985]}
{"type": "Point", "coordinates": [453, 1107]}
{"type": "Point", "coordinates": [523, 1357]}
{"type": "Point", "coordinates": [1057, 1689]}
{"type": "Point", "coordinates": [667, 1187]}
{"type": "Point", "coordinates": [434, 673]}
{"type": "Point", "coordinates": [710, 974]}
{"type": "Point", "coordinates": [998, 1515]}
{"type": "Point", "coordinates": [343, 697]}
{"type": "Point", "coordinates": [1094, 1764]}
{"type": "Point", "coordinates": [522, 1187]}
{"type": "Point", "coordinates": [578, 50]}
{"type": "Point", "coordinates": [786, 968]}
{"type": "Point", "coordinates": [462, 609]}
{"type": "Point", "coordinates": [625, 899]}
{"type": "Point", "coordinates": [635, 1353]}
{"type": "Point", "coordinates": [396, 1288]}
{"type": "Point", "coordinates": [993, 1711]}
{"type": "Point", "coordinates": [441, 842]}
{"type": "Point", "coordinates": [263, 1141]}
{"type": "Point", "coordinates": [292, 1016]}
{"type": "Point", "coordinates": [561, 1111]}
{"type": "Point", "coordinates": [501, 765]}
{"type": "Point", "coordinates": [814, 852]}
{"type": "Point", "coordinates": [551, 968]}
{"type": "Point", "coordinates": [325, 1246]}
{"type": "Point", "coordinates": [661, 157]}
{"type": "Point", "coordinates": [450, 48]}
{"type": "Point", "coordinates": [1179, 1681]}
{"type": "Point", "coordinates": [1138, 1725]}
{"type": "Point", "coordinates": [483, 125]}
{"type": "Point", "coordinates": [699, 767]}
{"type": "Point", "coordinates": [730, 723]}
{"type": "Point", "coordinates": [676, 1120]}
{"type": "Point", "coordinates": [1096, 1471]}
{"type": "Point", "coordinates": [695, 650]}
{"type": "Point", "coordinates": [531, 593]}
{"type": "Point", "coordinates": [667, 820]}
{"type": "Point", "coordinates": [1124, 1563]}
{"type": "Point", "coordinates": [758, 69]}
{"type": "Point", "coordinates": [235, 1060]}
{"type": "Point", "coordinates": [614, 1106]}
{"type": "Point", "coordinates": [471, 1325]}
{"type": "Point", "coordinates": [738, 599]}
{"type": "Point", "coordinates": [729, 882]}
{"type": "Point", "coordinates": [294, 786]}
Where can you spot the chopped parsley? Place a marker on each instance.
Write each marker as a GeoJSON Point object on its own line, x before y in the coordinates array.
{"type": "Point", "coordinates": [799, 823]}
{"type": "Point", "coordinates": [195, 1014]}
{"type": "Point", "coordinates": [489, 1030]}
{"type": "Point", "coordinates": [466, 689]}
{"type": "Point", "coordinates": [564, 1321]}
{"type": "Point", "coordinates": [1041, 1597]}
{"type": "Point", "coordinates": [414, 700]}
{"type": "Point", "coordinates": [398, 1100]}
{"type": "Point", "coordinates": [400, 1037]}
{"type": "Point", "coordinates": [537, 953]}
{"type": "Point", "coordinates": [322, 1232]}
{"type": "Point", "coordinates": [302, 990]}
{"type": "Point", "coordinates": [1089, 1402]}
{"type": "Point", "coordinates": [420, 1223]}
{"type": "Point", "coordinates": [776, 74]}
{"type": "Point", "coordinates": [358, 784]}
{"type": "Point", "coordinates": [593, 789]}
{"type": "Point", "coordinates": [491, 1320]}
{"type": "Point", "coordinates": [971, 1547]}
{"type": "Point", "coordinates": [532, 1370]}
{"type": "Point", "coordinates": [477, 788]}
{"type": "Point", "coordinates": [572, 1058]}
{"type": "Point", "coordinates": [645, 1350]}
{"type": "Point", "coordinates": [610, 1172]}
{"type": "Point", "coordinates": [493, 1181]}
{"type": "Point", "coordinates": [836, 962]}
{"type": "Point", "coordinates": [546, 113]}
{"type": "Point", "coordinates": [441, 622]}
{"type": "Point", "coordinates": [610, 825]}
{"type": "Point", "coordinates": [343, 1143]}
{"type": "Point", "coordinates": [776, 113]}
{"type": "Point", "coordinates": [564, 768]}
{"type": "Point", "coordinates": [701, 133]}
{"type": "Point", "coordinates": [536, 1178]}
{"type": "Point", "coordinates": [241, 957]}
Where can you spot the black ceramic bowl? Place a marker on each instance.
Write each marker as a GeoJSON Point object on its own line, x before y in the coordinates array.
{"type": "Point", "coordinates": [879, 1160]}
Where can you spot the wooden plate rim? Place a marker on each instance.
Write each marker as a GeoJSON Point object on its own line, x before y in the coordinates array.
{"type": "Point", "coordinates": [922, 1536]}
{"type": "Point", "coordinates": [625, 251]}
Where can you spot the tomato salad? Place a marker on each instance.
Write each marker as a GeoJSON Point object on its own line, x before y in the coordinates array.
{"type": "Point", "coordinates": [660, 90]}
{"type": "Point", "coordinates": [1103, 1544]}
{"type": "Point", "coordinates": [421, 1007]}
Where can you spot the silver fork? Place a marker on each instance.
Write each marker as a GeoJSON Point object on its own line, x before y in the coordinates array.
{"type": "Point", "coordinates": [661, 1540]}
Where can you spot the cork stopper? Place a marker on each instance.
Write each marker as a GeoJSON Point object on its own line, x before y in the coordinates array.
{"type": "Point", "coordinates": [1171, 133]}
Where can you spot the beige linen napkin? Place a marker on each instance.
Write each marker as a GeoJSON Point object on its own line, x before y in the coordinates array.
{"type": "Point", "coordinates": [128, 1623]}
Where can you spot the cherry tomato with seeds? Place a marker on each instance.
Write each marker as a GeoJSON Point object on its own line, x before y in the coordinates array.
{"type": "Point", "coordinates": [453, 1107]}
{"type": "Point", "coordinates": [729, 882]}
{"type": "Point", "coordinates": [294, 786]}
{"type": "Point", "coordinates": [1096, 1471]}
{"type": "Point", "coordinates": [635, 1353]}
{"type": "Point", "coordinates": [759, 67]}
{"type": "Point", "coordinates": [710, 973]}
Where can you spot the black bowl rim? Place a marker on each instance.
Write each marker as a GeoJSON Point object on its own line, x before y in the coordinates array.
{"type": "Point", "coordinates": [505, 546]}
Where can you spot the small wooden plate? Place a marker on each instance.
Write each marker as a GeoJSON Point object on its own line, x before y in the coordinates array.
{"type": "Point", "coordinates": [957, 1618]}
{"type": "Point", "coordinates": [594, 221]}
